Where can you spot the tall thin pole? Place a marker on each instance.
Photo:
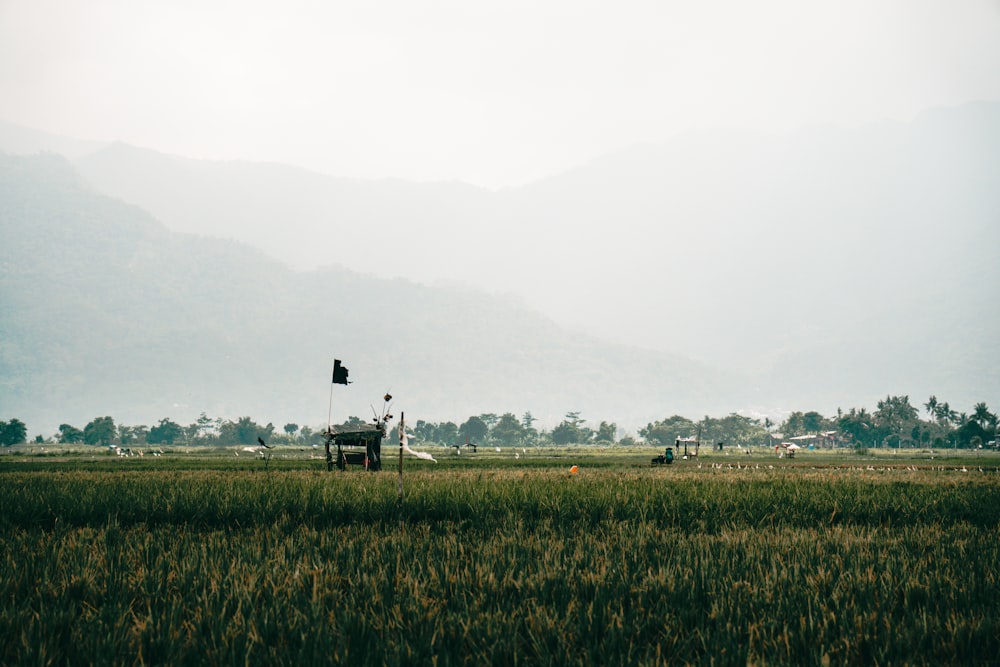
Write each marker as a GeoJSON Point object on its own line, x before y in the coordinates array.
{"type": "Point", "coordinates": [402, 434]}
{"type": "Point", "coordinates": [329, 416]}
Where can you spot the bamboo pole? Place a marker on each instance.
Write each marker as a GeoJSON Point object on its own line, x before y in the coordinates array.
{"type": "Point", "coordinates": [402, 426]}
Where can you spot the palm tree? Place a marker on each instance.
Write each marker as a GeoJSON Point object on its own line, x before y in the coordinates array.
{"type": "Point", "coordinates": [931, 405]}
{"type": "Point", "coordinates": [982, 416]}
{"type": "Point", "coordinates": [944, 414]}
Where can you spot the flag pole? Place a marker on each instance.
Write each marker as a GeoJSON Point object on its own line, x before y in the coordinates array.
{"type": "Point", "coordinates": [339, 377]}
{"type": "Point", "coordinates": [328, 436]}
{"type": "Point", "coordinates": [329, 416]}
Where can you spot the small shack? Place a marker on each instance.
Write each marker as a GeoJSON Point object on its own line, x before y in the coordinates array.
{"type": "Point", "coordinates": [695, 444]}
{"type": "Point", "coordinates": [355, 445]}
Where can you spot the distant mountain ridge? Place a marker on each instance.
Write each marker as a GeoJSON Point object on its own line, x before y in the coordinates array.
{"type": "Point", "coordinates": [745, 250]}
{"type": "Point", "coordinates": [831, 265]}
{"type": "Point", "coordinates": [20, 140]}
{"type": "Point", "coordinates": [107, 312]}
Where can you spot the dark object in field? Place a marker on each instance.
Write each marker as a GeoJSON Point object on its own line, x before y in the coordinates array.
{"type": "Point", "coordinates": [665, 458]}
{"type": "Point", "coordinates": [360, 445]}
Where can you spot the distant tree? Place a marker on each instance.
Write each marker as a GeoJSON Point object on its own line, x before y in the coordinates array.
{"type": "Point", "coordinates": [69, 434]}
{"type": "Point", "coordinates": [446, 433]}
{"type": "Point", "coordinates": [606, 432]}
{"type": "Point", "coordinates": [191, 433]}
{"type": "Point", "coordinates": [968, 432]}
{"type": "Point", "coordinates": [982, 415]}
{"type": "Point", "coordinates": [508, 430]}
{"type": "Point", "coordinates": [202, 431]}
{"type": "Point", "coordinates": [13, 432]}
{"type": "Point", "coordinates": [100, 431]}
{"type": "Point", "coordinates": [571, 431]}
{"type": "Point", "coordinates": [666, 431]}
{"type": "Point", "coordinates": [564, 434]}
{"type": "Point", "coordinates": [734, 429]}
{"type": "Point", "coordinates": [584, 433]}
{"type": "Point", "coordinates": [944, 415]}
{"type": "Point", "coordinates": [475, 430]}
{"type": "Point", "coordinates": [858, 426]}
{"type": "Point", "coordinates": [167, 432]}
{"type": "Point", "coordinates": [528, 422]}
{"type": "Point", "coordinates": [291, 428]}
{"type": "Point", "coordinates": [424, 430]}
{"type": "Point", "coordinates": [794, 424]}
{"type": "Point", "coordinates": [813, 422]}
{"type": "Point", "coordinates": [244, 431]}
{"type": "Point", "coordinates": [893, 418]}
{"type": "Point", "coordinates": [353, 422]}
{"type": "Point", "coordinates": [931, 406]}
{"type": "Point", "coordinates": [132, 435]}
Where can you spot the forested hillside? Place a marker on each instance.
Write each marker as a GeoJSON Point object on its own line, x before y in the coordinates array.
{"type": "Point", "coordinates": [107, 312]}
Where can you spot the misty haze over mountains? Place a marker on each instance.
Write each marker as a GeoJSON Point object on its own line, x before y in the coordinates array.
{"type": "Point", "coordinates": [726, 271]}
{"type": "Point", "coordinates": [106, 311]}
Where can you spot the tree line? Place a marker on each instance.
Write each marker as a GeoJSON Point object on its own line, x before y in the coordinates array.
{"type": "Point", "coordinates": [894, 423]}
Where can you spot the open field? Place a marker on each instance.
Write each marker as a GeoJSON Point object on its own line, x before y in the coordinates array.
{"type": "Point", "coordinates": [311, 458]}
{"type": "Point", "coordinates": [830, 558]}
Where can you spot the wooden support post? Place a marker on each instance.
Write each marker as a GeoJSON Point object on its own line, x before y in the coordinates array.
{"type": "Point", "coordinates": [402, 434]}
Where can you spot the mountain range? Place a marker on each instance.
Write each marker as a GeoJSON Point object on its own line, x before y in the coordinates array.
{"type": "Point", "coordinates": [719, 271]}
{"type": "Point", "coordinates": [108, 312]}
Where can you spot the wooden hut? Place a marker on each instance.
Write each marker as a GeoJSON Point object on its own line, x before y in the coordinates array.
{"type": "Point", "coordinates": [355, 445]}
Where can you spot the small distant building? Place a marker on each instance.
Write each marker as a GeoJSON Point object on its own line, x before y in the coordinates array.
{"type": "Point", "coordinates": [355, 445]}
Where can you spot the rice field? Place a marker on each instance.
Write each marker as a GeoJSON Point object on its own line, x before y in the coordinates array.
{"type": "Point", "coordinates": [156, 563]}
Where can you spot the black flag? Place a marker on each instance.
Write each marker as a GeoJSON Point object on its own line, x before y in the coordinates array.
{"type": "Point", "coordinates": [339, 373]}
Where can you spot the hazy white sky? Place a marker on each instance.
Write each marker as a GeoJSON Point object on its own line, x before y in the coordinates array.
{"type": "Point", "coordinates": [492, 93]}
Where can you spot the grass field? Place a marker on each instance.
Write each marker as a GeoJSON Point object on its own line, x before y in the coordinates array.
{"type": "Point", "coordinates": [187, 558]}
